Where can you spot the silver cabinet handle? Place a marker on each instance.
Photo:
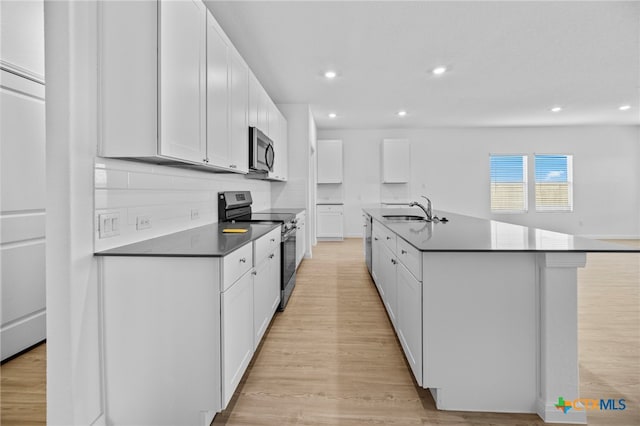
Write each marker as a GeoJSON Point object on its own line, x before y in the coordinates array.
{"type": "Point", "coordinates": [254, 272]}
{"type": "Point", "coordinates": [273, 240]}
{"type": "Point", "coordinates": [243, 260]}
{"type": "Point", "coordinates": [233, 166]}
{"type": "Point", "coordinates": [403, 251]}
{"type": "Point", "coordinates": [375, 238]}
{"type": "Point", "coordinates": [393, 261]}
{"type": "Point", "coordinates": [388, 238]}
{"type": "Point", "coordinates": [271, 256]}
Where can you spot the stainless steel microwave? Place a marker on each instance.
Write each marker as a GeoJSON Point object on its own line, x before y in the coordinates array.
{"type": "Point", "coordinates": [261, 154]}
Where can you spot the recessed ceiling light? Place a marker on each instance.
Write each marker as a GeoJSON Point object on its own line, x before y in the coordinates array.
{"type": "Point", "coordinates": [625, 107]}
{"type": "Point", "coordinates": [332, 115]}
{"type": "Point", "coordinates": [556, 109]}
{"type": "Point", "coordinates": [330, 74]}
{"type": "Point", "coordinates": [439, 70]}
{"type": "Point", "coordinates": [402, 113]}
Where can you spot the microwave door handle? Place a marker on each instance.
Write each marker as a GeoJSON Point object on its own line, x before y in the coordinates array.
{"type": "Point", "coordinates": [269, 156]}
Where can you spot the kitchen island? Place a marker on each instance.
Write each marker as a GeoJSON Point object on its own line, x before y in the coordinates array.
{"type": "Point", "coordinates": [485, 311]}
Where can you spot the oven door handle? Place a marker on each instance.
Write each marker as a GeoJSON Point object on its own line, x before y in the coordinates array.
{"type": "Point", "coordinates": [288, 234]}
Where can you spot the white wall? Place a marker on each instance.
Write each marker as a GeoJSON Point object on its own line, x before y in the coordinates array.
{"type": "Point", "coordinates": [166, 195]}
{"type": "Point", "coordinates": [451, 166]}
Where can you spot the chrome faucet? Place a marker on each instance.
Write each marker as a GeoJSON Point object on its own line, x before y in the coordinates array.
{"type": "Point", "coordinates": [427, 210]}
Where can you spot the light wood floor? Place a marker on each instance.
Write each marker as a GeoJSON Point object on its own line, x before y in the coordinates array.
{"type": "Point", "coordinates": [332, 358]}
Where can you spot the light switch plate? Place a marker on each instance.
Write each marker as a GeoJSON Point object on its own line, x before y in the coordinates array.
{"type": "Point", "coordinates": [143, 222]}
{"type": "Point", "coordinates": [109, 225]}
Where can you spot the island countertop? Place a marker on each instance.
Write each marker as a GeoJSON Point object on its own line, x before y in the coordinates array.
{"type": "Point", "coordinates": [203, 241]}
{"type": "Point", "coordinates": [470, 234]}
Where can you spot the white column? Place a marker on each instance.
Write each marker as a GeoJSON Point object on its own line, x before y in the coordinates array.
{"type": "Point", "coordinates": [558, 358]}
{"type": "Point", "coordinates": [73, 340]}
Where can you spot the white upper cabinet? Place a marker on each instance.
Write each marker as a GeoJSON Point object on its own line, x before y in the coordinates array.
{"type": "Point", "coordinates": [183, 80]}
{"type": "Point", "coordinates": [173, 89]}
{"type": "Point", "coordinates": [254, 99]}
{"type": "Point", "coordinates": [396, 160]}
{"type": "Point", "coordinates": [279, 135]}
{"type": "Point", "coordinates": [217, 95]}
{"type": "Point", "coordinates": [329, 154]}
{"type": "Point", "coordinates": [238, 109]}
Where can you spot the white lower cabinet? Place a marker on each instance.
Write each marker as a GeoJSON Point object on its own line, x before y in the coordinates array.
{"type": "Point", "coordinates": [237, 334]}
{"type": "Point", "coordinates": [330, 222]}
{"type": "Point", "coordinates": [400, 291]}
{"type": "Point", "coordinates": [161, 340]}
{"type": "Point", "coordinates": [266, 289]}
{"type": "Point", "coordinates": [409, 318]}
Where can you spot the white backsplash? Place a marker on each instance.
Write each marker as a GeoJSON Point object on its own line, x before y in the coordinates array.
{"type": "Point", "coordinates": [330, 193]}
{"type": "Point", "coordinates": [166, 195]}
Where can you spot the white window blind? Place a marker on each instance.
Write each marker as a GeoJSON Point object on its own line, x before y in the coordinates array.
{"type": "Point", "coordinates": [554, 182]}
{"type": "Point", "coordinates": [508, 183]}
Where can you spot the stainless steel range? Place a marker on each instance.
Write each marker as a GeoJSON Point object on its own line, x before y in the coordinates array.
{"type": "Point", "coordinates": [235, 206]}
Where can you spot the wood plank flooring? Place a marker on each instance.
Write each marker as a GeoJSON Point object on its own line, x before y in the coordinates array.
{"type": "Point", "coordinates": [332, 357]}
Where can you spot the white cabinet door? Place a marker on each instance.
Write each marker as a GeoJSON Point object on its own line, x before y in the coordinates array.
{"type": "Point", "coordinates": [409, 318]}
{"type": "Point", "coordinates": [301, 237]}
{"type": "Point", "coordinates": [388, 282]}
{"type": "Point", "coordinates": [254, 99]}
{"type": "Point", "coordinates": [329, 154]}
{"type": "Point", "coordinates": [217, 96]}
{"type": "Point", "coordinates": [237, 334]}
{"type": "Point", "coordinates": [274, 125]}
{"type": "Point", "coordinates": [396, 161]}
{"type": "Point", "coordinates": [183, 80]}
{"type": "Point", "coordinates": [330, 223]}
{"type": "Point", "coordinates": [263, 110]}
{"type": "Point", "coordinates": [22, 35]}
{"type": "Point", "coordinates": [377, 261]}
{"type": "Point", "coordinates": [238, 109]}
{"type": "Point", "coordinates": [22, 217]}
{"type": "Point", "coordinates": [274, 281]}
{"type": "Point", "coordinates": [266, 293]}
{"type": "Point", "coordinates": [279, 135]}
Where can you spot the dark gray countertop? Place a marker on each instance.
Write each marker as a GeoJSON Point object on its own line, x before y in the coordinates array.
{"type": "Point", "coordinates": [470, 234]}
{"type": "Point", "coordinates": [203, 241]}
{"type": "Point", "coordinates": [295, 211]}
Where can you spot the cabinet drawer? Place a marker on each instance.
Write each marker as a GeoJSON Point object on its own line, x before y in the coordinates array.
{"type": "Point", "coordinates": [329, 208]}
{"type": "Point", "coordinates": [410, 257]}
{"type": "Point", "coordinates": [236, 264]}
{"type": "Point", "coordinates": [385, 235]}
{"type": "Point", "coordinates": [266, 245]}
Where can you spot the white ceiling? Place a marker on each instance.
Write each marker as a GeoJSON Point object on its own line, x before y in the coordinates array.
{"type": "Point", "coordinates": [510, 61]}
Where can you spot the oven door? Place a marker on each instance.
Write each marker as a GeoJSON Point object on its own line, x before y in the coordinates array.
{"type": "Point", "coordinates": [288, 256]}
{"type": "Point", "coordinates": [261, 153]}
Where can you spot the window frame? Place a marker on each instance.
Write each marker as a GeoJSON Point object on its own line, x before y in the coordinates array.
{"type": "Point", "coordinates": [570, 192]}
{"type": "Point", "coordinates": [525, 183]}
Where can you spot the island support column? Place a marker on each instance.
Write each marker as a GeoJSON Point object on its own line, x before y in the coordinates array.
{"type": "Point", "coordinates": [558, 357]}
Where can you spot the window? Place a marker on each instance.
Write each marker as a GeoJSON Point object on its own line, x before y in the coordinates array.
{"type": "Point", "coordinates": [554, 183]}
{"type": "Point", "coordinates": [508, 183]}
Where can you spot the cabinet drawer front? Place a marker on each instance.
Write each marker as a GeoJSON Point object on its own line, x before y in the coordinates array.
{"type": "Point", "coordinates": [410, 257]}
{"type": "Point", "coordinates": [266, 245]}
{"type": "Point", "coordinates": [329, 209]}
{"type": "Point", "coordinates": [236, 264]}
{"type": "Point", "coordinates": [386, 236]}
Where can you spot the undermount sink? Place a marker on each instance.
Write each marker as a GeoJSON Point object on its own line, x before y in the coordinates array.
{"type": "Point", "coordinates": [404, 217]}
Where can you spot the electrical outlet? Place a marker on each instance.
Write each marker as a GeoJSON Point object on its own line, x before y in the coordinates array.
{"type": "Point", "coordinates": [143, 222]}
{"type": "Point", "coordinates": [109, 225]}
{"type": "Point", "coordinates": [195, 214]}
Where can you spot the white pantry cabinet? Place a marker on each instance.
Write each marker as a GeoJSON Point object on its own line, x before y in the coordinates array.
{"type": "Point", "coordinates": [22, 177]}
{"type": "Point", "coordinates": [330, 222]}
{"type": "Point", "coordinates": [329, 155]}
{"type": "Point", "coordinates": [395, 156]}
